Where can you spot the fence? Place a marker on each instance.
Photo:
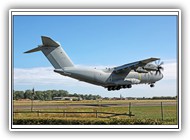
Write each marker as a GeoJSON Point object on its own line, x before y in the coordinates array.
{"type": "Point", "coordinates": [149, 110]}
{"type": "Point", "coordinates": [96, 113]}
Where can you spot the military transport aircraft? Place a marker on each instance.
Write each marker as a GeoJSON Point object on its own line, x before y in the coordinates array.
{"type": "Point", "coordinates": [139, 72]}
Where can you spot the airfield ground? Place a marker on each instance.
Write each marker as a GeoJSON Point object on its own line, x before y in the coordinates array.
{"type": "Point", "coordinates": [142, 109]}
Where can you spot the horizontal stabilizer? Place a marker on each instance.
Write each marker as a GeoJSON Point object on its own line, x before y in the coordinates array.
{"type": "Point", "coordinates": [34, 50]}
{"type": "Point", "coordinates": [46, 42]}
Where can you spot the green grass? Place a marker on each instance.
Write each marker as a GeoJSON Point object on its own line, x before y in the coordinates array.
{"type": "Point", "coordinates": [143, 114]}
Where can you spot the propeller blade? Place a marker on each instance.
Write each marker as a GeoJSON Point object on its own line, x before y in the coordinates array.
{"type": "Point", "coordinates": [161, 63]}
{"type": "Point", "coordinates": [159, 67]}
{"type": "Point", "coordinates": [159, 72]}
{"type": "Point", "coordinates": [156, 72]}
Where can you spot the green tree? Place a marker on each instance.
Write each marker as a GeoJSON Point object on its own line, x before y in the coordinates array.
{"type": "Point", "coordinates": [39, 95]}
{"type": "Point", "coordinates": [18, 95]}
{"type": "Point", "coordinates": [63, 93]}
{"type": "Point", "coordinates": [28, 94]}
{"type": "Point", "coordinates": [47, 95]}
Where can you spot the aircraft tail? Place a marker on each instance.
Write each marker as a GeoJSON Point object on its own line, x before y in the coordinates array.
{"type": "Point", "coordinates": [54, 53]}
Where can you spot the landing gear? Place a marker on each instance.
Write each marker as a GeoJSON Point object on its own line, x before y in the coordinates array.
{"type": "Point", "coordinates": [151, 85]}
{"type": "Point", "coordinates": [109, 89]}
{"type": "Point", "coordinates": [124, 86]}
{"type": "Point", "coordinates": [118, 87]}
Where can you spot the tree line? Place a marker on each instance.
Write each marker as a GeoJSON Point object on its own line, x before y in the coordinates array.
{"type": "Point", "coordinates": [50, 94]}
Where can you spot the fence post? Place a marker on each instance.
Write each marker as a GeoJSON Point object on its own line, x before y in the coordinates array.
{"type": "Point", "coordinates": [96, 114]}
{"type": "Point", "coordinates": [162, 113]}
{"type": "Point", "coordinates": [129, 109]}
{"type": "Point", "coordinates": [38, 113]}
{"type": "Point", "coordinates": [65, 113]}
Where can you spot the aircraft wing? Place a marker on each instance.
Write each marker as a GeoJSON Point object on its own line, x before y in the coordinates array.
{"type": "Point", "coordinates": [132, 66]}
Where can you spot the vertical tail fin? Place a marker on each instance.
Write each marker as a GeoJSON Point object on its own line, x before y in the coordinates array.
{"type": "Point", "coordinates": [54, 53]}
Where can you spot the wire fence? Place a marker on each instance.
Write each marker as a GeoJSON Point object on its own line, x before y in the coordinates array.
{"type": "Point", "coordinates": [65, 113]}
{"type": "Point", "coordinates": [160, 110]}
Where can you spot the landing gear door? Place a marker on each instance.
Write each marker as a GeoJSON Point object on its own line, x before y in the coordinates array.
{"type": "Point", "coordinates": [110, 79]}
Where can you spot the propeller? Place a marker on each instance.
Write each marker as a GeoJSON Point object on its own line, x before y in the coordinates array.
{"type": "Point", "coordinates": [159, 66]}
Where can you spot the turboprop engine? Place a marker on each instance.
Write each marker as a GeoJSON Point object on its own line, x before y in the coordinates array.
{"type": "Point", "coordinates": [141, 70]}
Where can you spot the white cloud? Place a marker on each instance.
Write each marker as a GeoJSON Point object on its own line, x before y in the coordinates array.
{"type": "Point", "coordinates": [170, 70]}
{"type": "Point", "coordinates": [39, 76]}
{"type": "Point", "coordinates": [45, 77]}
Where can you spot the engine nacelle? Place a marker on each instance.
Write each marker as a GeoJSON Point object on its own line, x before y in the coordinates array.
{"type": "Point", "coordinates": [150, 67]}
{"type": "Point", "coordinates": [141, 70]}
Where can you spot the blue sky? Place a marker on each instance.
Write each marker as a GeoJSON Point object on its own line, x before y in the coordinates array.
{"type": "Point", "coordinates": [96, 41]}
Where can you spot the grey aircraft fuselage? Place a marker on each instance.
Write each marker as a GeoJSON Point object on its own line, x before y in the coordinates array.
{"type": "Point", "coordinates": [106, 77]}
{"type": "Point", "coordinates": [140, 72]}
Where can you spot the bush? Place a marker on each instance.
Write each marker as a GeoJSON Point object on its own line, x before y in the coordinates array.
{"type": "Point", "coordinates": [74, 121]}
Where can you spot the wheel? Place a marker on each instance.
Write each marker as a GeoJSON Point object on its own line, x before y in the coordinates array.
{"type": "Point", "coordinates": [129, 86]}
{"type": "Point", "coordinates": [124, 86]}
{"type": "Point", "coordinates": [109, 89]}
{"type": "Point", "coordinates": [152, 85]}
{"type": "Point", "coordinates": [118, 87]}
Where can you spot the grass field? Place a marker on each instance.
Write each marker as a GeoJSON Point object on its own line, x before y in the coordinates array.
{"type": "Point", "coordinates": [142, 109]}
{"type": "Point", "coordinates": [28, 102]}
